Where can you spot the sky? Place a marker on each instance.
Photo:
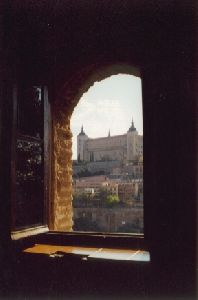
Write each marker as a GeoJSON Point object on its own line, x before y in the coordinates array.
{"type": "Point", "coordinates": [110, 104]}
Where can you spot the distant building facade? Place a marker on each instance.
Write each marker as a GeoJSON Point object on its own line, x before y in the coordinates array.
{"type": "Point", "coordinates": [126, 147]}
{"type": "Point", "coordinates": [128, 219]}
{"type": "Point", "coordinates": [126, 191]}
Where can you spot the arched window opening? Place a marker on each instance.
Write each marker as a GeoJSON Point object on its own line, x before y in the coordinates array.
{"type": "Point", "coordinates": [101, 187]}
{"type": "Point", "coordinates": [107, 128]}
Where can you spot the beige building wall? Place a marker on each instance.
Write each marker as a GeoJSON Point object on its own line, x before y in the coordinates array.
{"type": "Point", "coordinates": [120, 147]}
{"type": "Point", "coordinates": [81, 141]}
{"type": "Point", "coordinates": [110, 220]}
{"type": "Point", "coordinates": [106, 148]}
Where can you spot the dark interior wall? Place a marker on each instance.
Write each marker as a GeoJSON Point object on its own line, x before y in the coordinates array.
{"type": "Point", "coordinates": [47, 42]}
{"type": "Point", "coordinates": [54, 38]}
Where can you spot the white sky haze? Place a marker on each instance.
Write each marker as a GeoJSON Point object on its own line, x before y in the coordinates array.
{"type": "Point", "coordinates": [108, 105]}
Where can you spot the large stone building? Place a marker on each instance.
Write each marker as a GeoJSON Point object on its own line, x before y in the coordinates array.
{"type": "Point", "coordinates": [126, 147]}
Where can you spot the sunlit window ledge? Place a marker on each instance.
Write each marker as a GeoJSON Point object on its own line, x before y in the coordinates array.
{"type": "Point", "coordinates": [18, 234]}
{"type": "Point", "coordinates": [87, 253]}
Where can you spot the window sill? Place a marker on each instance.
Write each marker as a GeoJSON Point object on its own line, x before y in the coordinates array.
{"type": "Point", "coordinates": [24, 233]}
{"type": "Point", "coordinates": [94, 239]}
{"type": "Point", "coordinates": [87, 253]}
{"type": "Point", "coordinates": [83, 245]}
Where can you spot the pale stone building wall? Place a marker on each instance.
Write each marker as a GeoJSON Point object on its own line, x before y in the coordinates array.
{"type": "Point", "coordinates": [139, 145]}
{"type": "Point", "coordinates": [112, 148]}
{"type": "Point", "coordinates": [106, 148]}
{"type": "Point", "coordinates": [110, 220]}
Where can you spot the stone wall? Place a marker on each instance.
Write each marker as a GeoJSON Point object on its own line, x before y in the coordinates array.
{"type": "Point", "coordinates": [62, 173]}
{"type": "Point", "coordinates": [110, 220]}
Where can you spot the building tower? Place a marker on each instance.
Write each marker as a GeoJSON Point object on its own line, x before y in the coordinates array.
{"type": "Point", "coordinates": [131, 142]}
{"type": "Point", "coordinates": [81, 141]}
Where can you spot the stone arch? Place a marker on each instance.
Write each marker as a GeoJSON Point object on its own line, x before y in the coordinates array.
{"type": "Point", "coordinates": [67, 99]}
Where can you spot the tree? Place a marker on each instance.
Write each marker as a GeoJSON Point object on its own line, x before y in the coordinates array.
{"type": "Point", "coordinates": [80, 199]}
{"type": "Point", "coordinates": [107, 198]}
{"type": "Point", "coordinates": [102, 195]}
{"type": "Point", "coordinates": [112, 200]}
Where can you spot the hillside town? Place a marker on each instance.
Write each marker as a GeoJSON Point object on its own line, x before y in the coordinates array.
{"type": "Point", "coordinates": [108, 183]}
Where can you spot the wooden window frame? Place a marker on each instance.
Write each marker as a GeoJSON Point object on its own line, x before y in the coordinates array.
{"type": "Point", "coordinates": [27, 230]}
